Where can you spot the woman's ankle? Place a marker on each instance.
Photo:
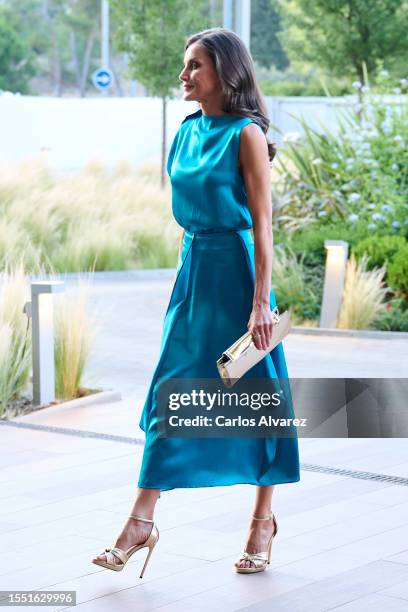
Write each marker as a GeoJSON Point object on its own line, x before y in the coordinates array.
{"type": "Point", "coordinates": [262, 513]}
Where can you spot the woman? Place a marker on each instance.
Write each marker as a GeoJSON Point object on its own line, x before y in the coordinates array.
{"type": "Point", "coordinates": [219, 166]}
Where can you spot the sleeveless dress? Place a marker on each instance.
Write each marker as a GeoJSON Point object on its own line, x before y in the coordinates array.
{"type": "Point", "coordinates": [208, 310]}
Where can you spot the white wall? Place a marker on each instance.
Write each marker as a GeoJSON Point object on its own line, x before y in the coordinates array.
{"type": "Point", "coordinates": [114, 129]}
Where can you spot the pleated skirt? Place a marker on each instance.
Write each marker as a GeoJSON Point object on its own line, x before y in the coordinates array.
{"type": "Point", "coordinates": [208, 310]}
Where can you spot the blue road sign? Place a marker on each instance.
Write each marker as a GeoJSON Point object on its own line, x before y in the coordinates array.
{"type": "Point", "coordinates": [102, 78]}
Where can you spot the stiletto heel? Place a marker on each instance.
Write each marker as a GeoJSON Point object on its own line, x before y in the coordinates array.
{"type": "Point", "coordinates": [124, 555]}
{"type": "Point", "coordinates": [146, 561]}
{"type": "Point", "coordinates": [260, 560]}
{"type": "Point", "coordinates": [271, 540]}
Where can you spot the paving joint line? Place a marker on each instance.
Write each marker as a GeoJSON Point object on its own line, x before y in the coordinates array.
{"type": "Point", "coordinates": [308, 467]}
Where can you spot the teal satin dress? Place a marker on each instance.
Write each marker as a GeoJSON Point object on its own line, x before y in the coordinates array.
{"type": "Point", "coordinates": [208, 310]}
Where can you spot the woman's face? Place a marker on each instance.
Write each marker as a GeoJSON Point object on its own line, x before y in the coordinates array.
{"type": "Point", "coordinates": [199, 77]}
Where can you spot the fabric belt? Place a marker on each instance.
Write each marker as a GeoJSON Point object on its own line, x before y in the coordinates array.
{"type": "Point", "coordinates": [216, 231]}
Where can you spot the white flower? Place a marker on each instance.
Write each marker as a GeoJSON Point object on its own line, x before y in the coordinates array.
{"type": "Point", "coordinates": [384, 72]}
{"type": "Point", "coordinates": [337, 193]}
{"type": "Point", "coordinates": [371, 206]}
{"type": "Point", "coordinates": [389, 112]}
{"type": "Point", "coordinates": [396, 224]}
{"type": "Point", "coordinates": [350, 160]}
{"type": "Point", "coordinates": [354, 197]}
{"type": "Point", "coordinates": [317, 161]}
{"type": "Point", "coordinates": [403, 81]}
{"type": "Point", "coordinates": [397, 90]}
{"type": "Point", "coordinates": [387, 208]}
{"type": "Point", "coordinates": [322, 213]}
{"type": "Point", "coordinates": [406, 222]}
{"type": "Point", "coordinates": [334, 165]}
{"type": "Point", "coordinates": [358, 107]}
{"type": "Point", "coordinates": [356, 85]}
{"type": "Point", "coordinates": [349, 185]}
{"type": "Point", "coordinates": [291, 137]}
{"type": "Point", "coordinates": [386, 127]}
{"type": "Point", "coordinates": [371, 226]}
{"type": "Point", "coordinates": [394, 167]}
{"type": "Point", "coordinates": [365, 88]}
{"type": "Point", "coordinates": [353, 217]}
{"type": "Point", "coordinates": [377, 217]}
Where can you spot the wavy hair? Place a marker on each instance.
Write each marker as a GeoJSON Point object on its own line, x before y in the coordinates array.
{"type": "Point", "coordinates": [235, 69]}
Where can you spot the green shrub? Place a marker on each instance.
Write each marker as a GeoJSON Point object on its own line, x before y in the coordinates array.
{"type": "Point", "coordinates": [309, 242]}
{"type": "Point", "coordinates": [356, 174]}
{"type": "Point", "coordinates": [398, 271]}
{"type": "Point", "coordinates": [379, 249]}
{"type": "Point", "coordinates": [295, 288]}
{"type": "Point", "coordinates": [394, 317]}
{"type": "Point", "coordinates": [302, 88]}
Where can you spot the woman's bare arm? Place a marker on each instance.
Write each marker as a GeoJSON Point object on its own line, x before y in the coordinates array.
{"type": "Point", "coordinates": [255, 165]}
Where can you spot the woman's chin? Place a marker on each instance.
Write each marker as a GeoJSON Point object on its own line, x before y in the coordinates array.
{"type": "Point", "coordinates": [189, 95]}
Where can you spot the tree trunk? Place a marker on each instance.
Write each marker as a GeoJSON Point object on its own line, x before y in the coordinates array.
{"type": "Point", "coordinates": [54, 56]}
{"type": "Point", "coordinates": [75, 60]}
{"type": "Point", "coordinates": [164, 139]}
{"type": "Point", "coordinates": [56, 65]}
{"type": "Point", "coordinates": [118, 83]}
{"type": "Point", "coordinates": [87, 59]}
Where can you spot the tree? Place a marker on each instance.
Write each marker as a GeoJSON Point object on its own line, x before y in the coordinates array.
{"type": "Point", "coordinates": [16, 61]}
{"type": "Point", "coordinates": [82, 21]}
{"type": "Point", "coordinates": [62, 35]}
{"type": "Point", "coordinates": [266, 47]}
{"type": "Point", "coordinates": [342, 34]}
{"type": "Point", "coordinates": [153, 33]}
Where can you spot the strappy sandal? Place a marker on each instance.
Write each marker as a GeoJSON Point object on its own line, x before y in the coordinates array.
{"type": "Point", "coordinates": [124, 555]}
{"type": "Point", "coordinates": [260, 560]}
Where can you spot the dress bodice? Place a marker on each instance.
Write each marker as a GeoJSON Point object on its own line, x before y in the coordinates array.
{"type": "Point", "coordinates": [208, 192]}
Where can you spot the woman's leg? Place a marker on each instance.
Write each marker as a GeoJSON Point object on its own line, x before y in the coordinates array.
{"type": "Point", "coordinates": [135, 531]}
{"type": "Point", "coordinates": [259, 531]}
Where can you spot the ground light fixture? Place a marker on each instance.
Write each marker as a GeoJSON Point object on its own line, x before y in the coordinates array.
{"type": "Point", "coordinates": [334, 277]}
{"type": "Point", "coordinates": [41, 310]}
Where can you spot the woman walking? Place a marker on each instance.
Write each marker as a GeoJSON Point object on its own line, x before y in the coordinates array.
{"type": "Point", "coordinates": [219, 166]}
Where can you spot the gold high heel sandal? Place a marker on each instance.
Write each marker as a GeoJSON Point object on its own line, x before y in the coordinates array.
{"type": "Point", "coordinates": [260, 560]}
{"type": "Point", "coordinates": [124, 555]}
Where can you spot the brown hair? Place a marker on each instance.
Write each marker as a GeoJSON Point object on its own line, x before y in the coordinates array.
{"type": "Point", "coordinates": [235, 69]}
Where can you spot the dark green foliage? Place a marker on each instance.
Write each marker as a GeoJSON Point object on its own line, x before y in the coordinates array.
{"type": "Point", "coordinates": [16, 59]}
{"type": "Point", "coordinates": [398, 271]}
{"type": "Point", "coordinates": [395, 317]}
{"type": "Point", "coordinates": [380, 249]}
{"type": "Point", "coordinates": [305, 87]}
{"type": "Point", "coordinates": [153, 33]}
{"type": "Point", "coordinates": [266, 48]}
{"type": "Point", "coordinates": [342, 34]}
{"type": "Point", "coordinates": [309, 242]}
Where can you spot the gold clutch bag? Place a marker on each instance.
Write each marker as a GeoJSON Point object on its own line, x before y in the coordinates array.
{"type": "Point", "coordinates": [243, 354]}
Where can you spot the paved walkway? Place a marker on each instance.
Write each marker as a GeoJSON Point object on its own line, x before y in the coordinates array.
{"type": "Point", "coordinates": [342, 541]}
{"type": "Point", "coordinates": [131, 315]}
{"type": "Point", "coordinates": [68, 479]}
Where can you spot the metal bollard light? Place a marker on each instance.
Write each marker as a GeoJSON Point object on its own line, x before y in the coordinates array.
{"type": "Point", "coordinates": [42, 312]}
{"type": "Point", "coordinates": [334, 277]}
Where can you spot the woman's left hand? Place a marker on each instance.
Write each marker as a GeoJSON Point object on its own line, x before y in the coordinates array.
{"type": "Point", "coordinates": [260, 325]}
